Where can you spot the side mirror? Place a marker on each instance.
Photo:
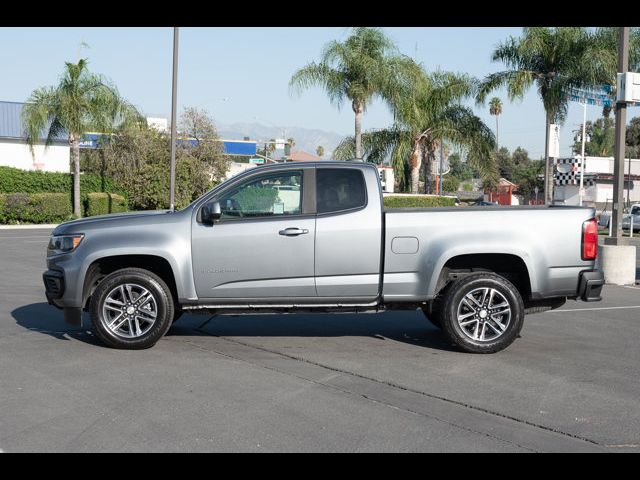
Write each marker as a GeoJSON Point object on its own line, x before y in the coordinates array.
{"type": "Point", "coordinates": [211, 212]}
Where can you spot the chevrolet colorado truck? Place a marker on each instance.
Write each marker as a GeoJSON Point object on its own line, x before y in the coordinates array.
{"type": "Point", "coordinates": [294, 237]}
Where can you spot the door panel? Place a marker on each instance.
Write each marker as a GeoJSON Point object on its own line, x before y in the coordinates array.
{"type": "Point", "coordinates": [348, 242]}
{"type": "Point", "coordinates": [245, 259]}
{"type": "Point", "coordinates": [263, 246]}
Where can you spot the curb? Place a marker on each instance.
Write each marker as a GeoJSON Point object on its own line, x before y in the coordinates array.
{"type": "Point", "coordinates": [29, 227]}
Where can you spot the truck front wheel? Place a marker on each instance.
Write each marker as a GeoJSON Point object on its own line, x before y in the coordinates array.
{"type": "Point", "coordinates": [482, 313]}
{"type": "Point", "coordinates": [131, 309]}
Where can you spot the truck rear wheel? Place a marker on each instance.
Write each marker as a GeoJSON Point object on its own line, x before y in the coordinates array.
{"type": "Point", "coordinates": [482, 313]}
{"type": "Point", "coordinates": [131, 309]}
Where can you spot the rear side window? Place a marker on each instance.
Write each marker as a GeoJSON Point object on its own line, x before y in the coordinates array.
{"type": "Point", "coordinates": [339, 189]}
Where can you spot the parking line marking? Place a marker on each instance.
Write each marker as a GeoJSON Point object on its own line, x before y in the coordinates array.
{"type": "Point", "coordinates": [591, 309]}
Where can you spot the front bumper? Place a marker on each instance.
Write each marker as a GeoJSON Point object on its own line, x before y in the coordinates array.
{"type": "Point", "coordinates": [590, 285]}
{"type": "Point", "coordinates": [53, 286]}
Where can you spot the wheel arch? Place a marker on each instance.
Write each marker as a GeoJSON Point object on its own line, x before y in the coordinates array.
{"type": "Point", "coordinates": [512, 266]}
{"type": "Point", "coordinates": [103, 266]}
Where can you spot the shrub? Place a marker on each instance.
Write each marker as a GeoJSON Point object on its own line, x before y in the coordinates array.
{"type": "Point", "coordinates": [104, 203]}
{"type": "Point", "coordinates": [35, 208]}
{"type": "Point", "coordinates": [397, 201]}
{"type": "Point", "coordinates": [149, 189]}
{"type": "Point", "coordinates": [450, 183]}
{"type": "Point", "coordinates": [467, 187]}
{"type": "Point", "coordinates": [14, 180]}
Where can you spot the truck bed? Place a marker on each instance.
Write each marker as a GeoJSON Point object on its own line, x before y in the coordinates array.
{"type": "Point", "coordinates": [546, 238]}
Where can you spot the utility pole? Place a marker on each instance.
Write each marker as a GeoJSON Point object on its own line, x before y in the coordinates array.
{"type": "Point", "coordinates": [618, 165]}
{"type": "Point", "coordinates": [172, 169]}
{"type": "Point", "coordinates": [584, 129]}
{"type": "Point", "coordinates": [629, 183]}
{"type": "Point", "coordinates": [441, 168]}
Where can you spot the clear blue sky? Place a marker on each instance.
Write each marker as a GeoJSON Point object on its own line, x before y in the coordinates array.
{"type": "Point", "coordinates": [242, 74]}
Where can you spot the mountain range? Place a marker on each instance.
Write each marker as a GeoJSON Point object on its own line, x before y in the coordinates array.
{"type": "Point", "coordinates": [305, 139]}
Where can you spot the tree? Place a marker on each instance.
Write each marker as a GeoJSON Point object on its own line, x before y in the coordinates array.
{"type": "Point", "coordinates": [555, 60]}
{"type": "Point", "coordinates": [270, 147]}
{"type": "Point", "coordinates": [364, 66]}
{"type": "Point", "coordinates": [320, 151]}
{"type": "Point", "coordinates": [520, 157]}
{"type": "Point", "coordinates": [80, 103]}
{"type": "Point", "coordinates": [527, 179]}
{"type": "Point", "coordinates": [428, 112]}
{"type": "Point", "coordinates": [459, 169]}
{"type": "Point", "coordinates": [505, 164]}
{"type": "Point", "coordinates": [495, 108]}
{"type": "Point", "coordinates": [195, 123]}
{"type": "Point", "coordinates": [633, 138]}
{"type": "Point", "coordinates": [291, 142]}
{"type": "Point", "coordinates": [600, 138]}
{"type": "Point", "coordinates": [136, 158]}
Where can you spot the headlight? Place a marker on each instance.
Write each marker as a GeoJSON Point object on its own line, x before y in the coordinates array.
{"type": "Point", "coordinates": [63, 243]}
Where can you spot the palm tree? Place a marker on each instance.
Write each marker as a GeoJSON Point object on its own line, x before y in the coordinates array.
{"type": "Point", "coordinates": [362, 67]}
{"type": "Point", "coordinates": [80, 103]}
{"type": "Point", "coordinates": [270, 147]}
{"type": "Point", "coordinates": [555, 60]}
{"type": "Point", "coordinates": [495, 108]}
{"type": "Point", "coordinates": [427, 114]}
{"type": "Point", "coordinates": [320, 151]}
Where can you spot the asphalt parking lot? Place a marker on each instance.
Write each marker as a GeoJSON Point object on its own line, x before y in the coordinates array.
{"type": "Point", "coordinates": [353, 383]}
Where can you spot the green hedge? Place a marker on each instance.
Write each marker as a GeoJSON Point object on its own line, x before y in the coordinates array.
{"type": "Point", "coordinates": [104, 203]}
{"type": "Point", "coordinates": [35, 208]}
{"type": "Point", "coordinates": [398, 201]}
{"type": "Point", "coordinates": [16, 208]}
{"type": "Point", "coordinates": [14, 180]}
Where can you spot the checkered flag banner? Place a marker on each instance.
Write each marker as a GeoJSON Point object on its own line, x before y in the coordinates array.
{"type": "Point", "coordinates": [570, 175]}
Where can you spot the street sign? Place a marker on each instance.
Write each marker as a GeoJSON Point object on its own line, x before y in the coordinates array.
{"type": "Point", "coordinates": [256, 161]}
{"type": "Point", "coordinates": [599, 95]}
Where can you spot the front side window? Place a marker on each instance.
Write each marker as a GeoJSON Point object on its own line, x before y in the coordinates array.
{"type": "Point", "coordinates": [270, 195]}
{"type": "Point", "coordinates": [339, 189]}
{"type": "Point", "coordinates": [635, 211]}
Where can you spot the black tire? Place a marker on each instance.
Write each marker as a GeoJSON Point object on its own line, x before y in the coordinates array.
{"type": "Point", "coordinates": [162, 299]}
{"type": "Point", "coordinates": [499, 334]}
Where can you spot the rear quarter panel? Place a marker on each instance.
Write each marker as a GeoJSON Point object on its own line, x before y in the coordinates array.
{"type": "Point", "coordinates": [547, 239]}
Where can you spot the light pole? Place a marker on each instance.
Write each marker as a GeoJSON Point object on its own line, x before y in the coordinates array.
{"type": "Point", "coordinates": [174, 87]}
{"type": "Point", "coordinates": [618, 164]}
{"type": "Point", "coordinates": [584, 128]}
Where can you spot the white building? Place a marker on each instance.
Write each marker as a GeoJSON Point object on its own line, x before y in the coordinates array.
{"type": "Point", "coordinates": [598, 180]}
{"type": "Point", "coordinates": [14, 151]}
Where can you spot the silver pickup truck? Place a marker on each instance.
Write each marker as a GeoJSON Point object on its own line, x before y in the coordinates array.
{"type": "Point", "coordinates": [315, 237]}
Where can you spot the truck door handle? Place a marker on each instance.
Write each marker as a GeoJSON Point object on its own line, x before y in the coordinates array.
{"type": "Point", "coordinates": [293, 232]}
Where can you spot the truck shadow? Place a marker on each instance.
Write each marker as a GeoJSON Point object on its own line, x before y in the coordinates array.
{"type": "Point", "coordinates": [407, 327]}
{"type": "Point", "coordinates": [404, 326]}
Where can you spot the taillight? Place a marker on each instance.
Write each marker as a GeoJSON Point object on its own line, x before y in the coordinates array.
{"type": "Point", "coordinates": [590, 239]}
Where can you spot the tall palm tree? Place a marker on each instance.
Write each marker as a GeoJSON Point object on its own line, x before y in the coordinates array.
{"type": "Point", "coordinates": [428, 113]}
{"type": "Point", "coordinates": [80, 103]}
{"type": "Point", "coordinates": [495, 108]}
{"type": "Point", "coordinates": [555, 60]}
{"type": "Point", "coordinates": [362, 67]}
